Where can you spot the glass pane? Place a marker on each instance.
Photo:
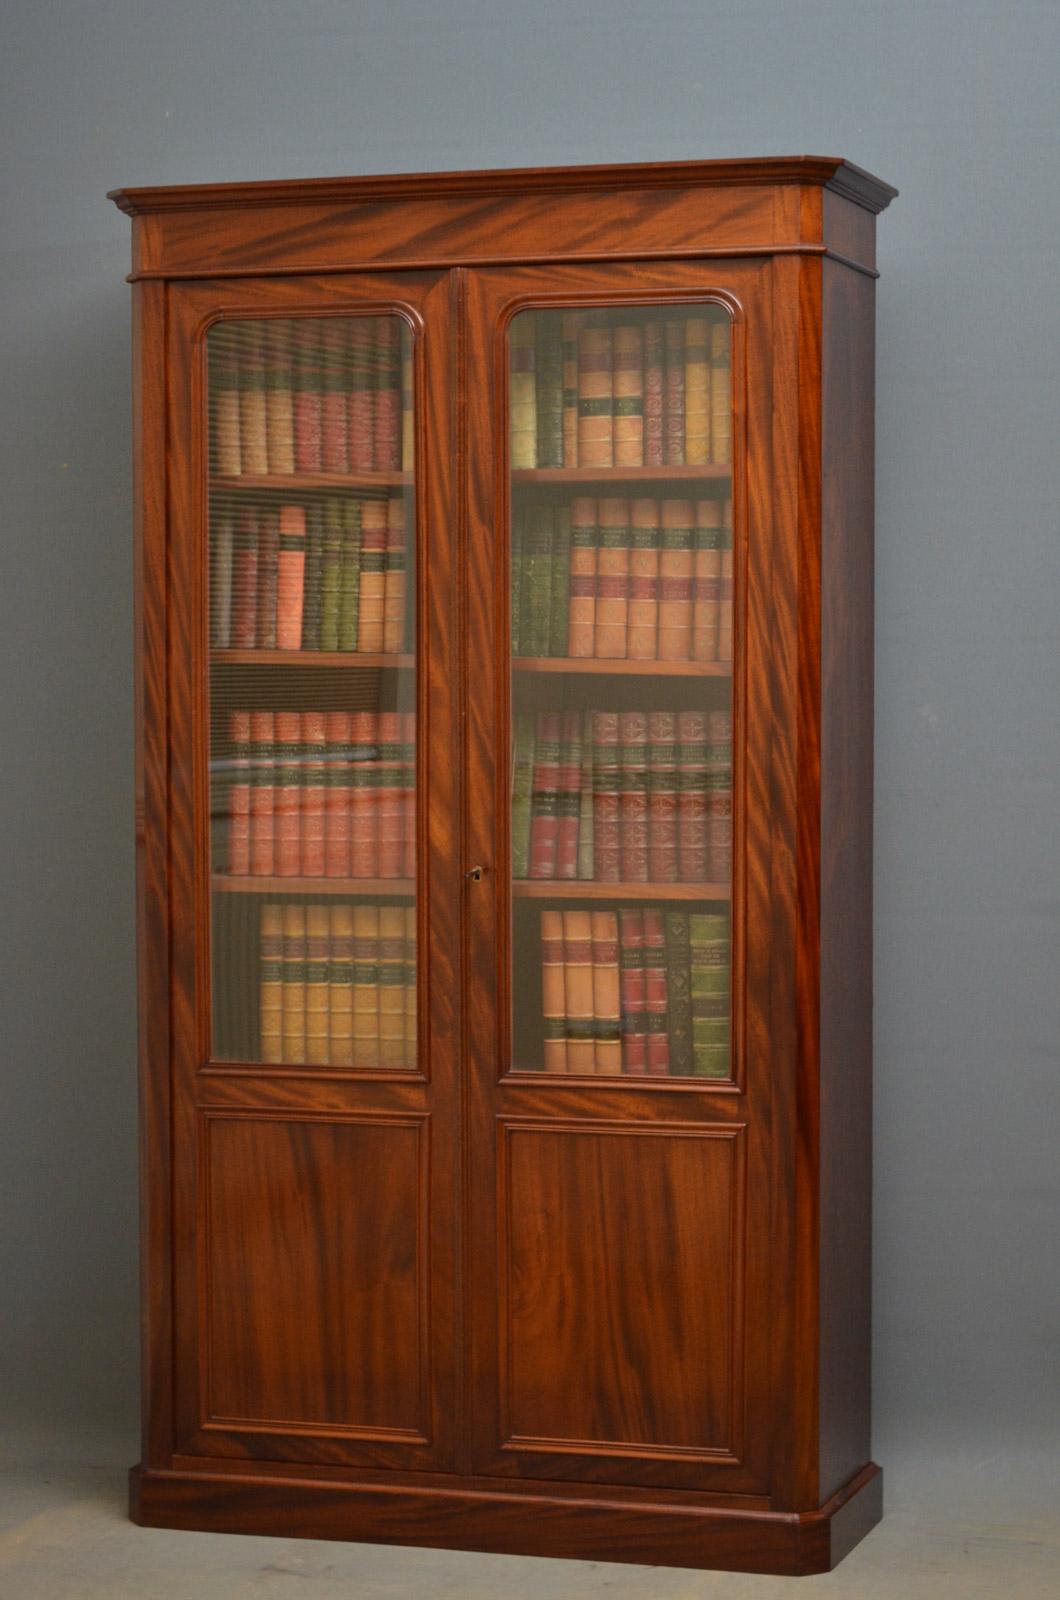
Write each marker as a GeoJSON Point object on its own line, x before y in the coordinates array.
{"type": "Point", "coordinates": [622, 648]}
{"type": "Point", "coordinates": [312, 692]}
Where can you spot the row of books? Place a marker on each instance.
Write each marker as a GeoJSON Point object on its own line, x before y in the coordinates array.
{"type": "Point", "coordinates": [338, 985]}
{"type": "Point", "coordinates": [320, 794]}
{"type": "Point", "coordinates": [638, 991]}
{"type": "Point", "coordinates": [328, 575]}
{"type": "Point", "coordinates": [331, 394]}
{"type": "Point", "coordinates": [622, 796]}
{"type": "Point", "coordinates": [591, 389]}
{"type": "Point", "coordinates": [643, 579]}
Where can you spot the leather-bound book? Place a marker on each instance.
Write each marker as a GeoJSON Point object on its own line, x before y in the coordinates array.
{"type": "Point", "coordinates": [707, 584]}
{"type": "Point", "coordinates": [314, 794]}
{"type": "Point", "coordinates": [394, 577]}
{"type": "Point", "coordinates": [548, 383]}
{"type": "Point", "coordinates": [331, 574]}
{"type": "Point", "coordinates": [245, 580]}
{"type": "Point", "coordinates": [408, 420]}
{"type": "Point", "coordinates": [654, 386]}
{"type": "Point", "coordinates": [389, 797]}
{"type": "Point", "coordinates": [578, 990]}
{"type": "Point", "coordinates": [628, 397]}
{"type": "Point", "coordinates": [350, 575]}
{"type": "Point", "coordinates": [674, 394]}
{"type": "Point", "coordinates": [662, 797]}
{"type": "Point", "coordinates": [334, 447]}
{"type": "Point", "coordinates": [581, 636]}
{"type": "Point", "coordinates": [238, 860]}
{"type": "Point", "coordinates": [340, 986]}
{"type": "Point", "coordinates": [408, 756]}
{"type": "Point", "coordinates": [607, 1007]}
{"type": "Point", "coordinates": [679, 992]}
{"type": "Point", "coordinates": [279, 395]}
{"type": "Point", "coordinates": [308, 398]}
{"type": "Point", "coordinates": [262, 803]}
{"type": "Point", "coordinates": [268, 577]}
{"type": "Point", "coordinates": [391, 986]}
{"type": "Point", "coordinates": [225, 454]}
{"type": "Point", "coordinates": [721, 392]}
{"type": "Point", "coordinates": [411, 1048]}
{"type": "Point", "coordinates": [536, 621]}
{"type": "Point", "coordinates": [676, 562]}
{"type": "Point", "coordinates": [607, 829]}
{"type": "Point", "coordinates": [522, 391]}
{"type": "Point", "coordinates": [559, 624]}
{"type": "Point", "coordinates": [570, 388]}
{"type": "Point", "coordinates": [519, 609]}
{"type": "Point", "coordinates": [386, 445]}
{"type": "Point", "coordinates": [373, 577]}
{"type": "Point", "coordinates": [317, 985]}
{"type": "Point", "coordinates": [553, 992]}
{"type": "Point", "coordinates": [656, 994]}
{"type": "Point", "coordinates": [314, 559]}
{"type": "Point", "coordinates": [544, 799]}
{"type": "Point", "coordinates": [711, 964]}
{"type": "Point", "coordinates": [337, 794]}
{"type": "Point", "coordinates": [364, 794]}
{"type": "Point", "coordinates": [725, 597]}
{"type": "Point", "coordinates": [253, 433]}
{"type": "Point", "coordinates": [633, 996]}
{"type": "Point", "coordinates": [287, 848]}
{"type": "Point", "coordinates": [586, 863]}
{"type": "Point", "coordinates": [222, 557]}
{"type": "Point", "coordinates": [290, 578]}
{"type": "Point", "coordinates": [360, 408]}
{"type": "Point", "coordinates": [568, 801]}
{"type": "Point", "coordinates": [719, 796]}
{"type": "Point", "coordinates": [294, 965]}
{"type": "Point", "coordinates": [612, 578]}
{"type": "Point", "coordinates": [270, 984]}
{"type": "Point", "coordinates": [633, 795]}
{"type": "Point", "coordinates": [645, 534]}
{"type": "Point", "coordinates": [692, 795]}
{"type": "Point", "coordinates": [366, 985]}
{"type": "Point", "coordinates": [595, 421]}
{"type": "Point", "coordinates": [697, 391]}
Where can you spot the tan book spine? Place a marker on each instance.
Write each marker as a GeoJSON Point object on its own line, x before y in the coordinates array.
{"type": "Point", "coordinates": [408, 421]}
{"type": "Point", "coordinates": [612, 579]}
{"type": "Point", "coordinates": [522, 391]}
{"type": "Point", "coordinates": [270, 991]}
{"type": "Point", "coordinates": [628, 407]}
{"type": "Point", "coordinates": [294, 964]}
{"type": "Point", "coordinates": [317, 984]}
{"type": "Point", "coordinates": [707, 586]}
{"type": "Point", "coordinates": [721, 392]}
{"type": "Point", "coordinates": [697, 391]}
{"type": "Point", "coordinates": [570, 389]}
{"type": "Point", "coordinates": [371, 617]}
{"type": "Point", "coordinates": [595, 422]}
{"type": "Point", "coordinates": [578, 990]}
{"type": "Point", "coordinates": [553, 995]}
{"type": "Point", "coordinates": [607, 1005]}
{"type": "Point", "coordinates": [394, 577]}
{"type": "Point", "coordinates": [340, 987]}
{"type": "Point", "coordinates": [411, 1046]}
{"type": "Point", "coordinates": [581, 637]}
{"type": "Point", "coordinates": [253, 429]}
{"type": "Point", "coordinates": [366, 986]}
{"type": "Point", "coordinates": [391, 986]}
{"type": "Point", "coordinates": [675, 581]}
{"type": "Point", "coordinates": [279, 395]}
{"type": "Point", "coordinates": [224, 401]}
{"type": "Point", "coordinates": [644, 580]}
{"type": "Point", "coordinates": [725, 597]}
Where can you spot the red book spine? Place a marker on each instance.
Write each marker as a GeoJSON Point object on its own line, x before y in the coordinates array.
{"type": "Point", "coordinates": [239, 795]}
{"type": "Point", "coordinates": [569, 799]}
{"type": "Point", "coordinates": [337, 800]}
{"type": "Point", "coordinates": [268, 577]}
{"type": "Point", "coordinates": [333, 422]}
{"type": "Point", "coordinates": [386, 449]}
{"type": "Point", "coordinates": [361, 406]}
{"type": "Point", "coordinates": [245, 581]}
{"type": "Point", "coordinates": [262, 799]}
{"type": "Point", "coordinates": [364, 841]}
{"type": "Point", "coordinates": [633, 796]}
{"type": "Point", "coordinates": [692, 795]}
{"type": "Point", "coordinates": [654, 383]}
{"type": "Point", "coordinates": [662, 797]}
{"type": "Point", "coordinates": [719, 796]}
{"type": "Point", "coordinates": [313, 795]}
{"type": "Point", "coordinates": [308, 399]}
{"type": "Point", "coordinates": [656, 995]}
{"type": "Point", "coordinates": [544, 799]}
{"type": "Point", "coordinates": [674, 397]}
{"type": "Point", "coordinates": [389, 797]}
{"type": "Point", "coordinates": [409, 752]}
{"type": "Point", "coordinates": [631, 989]}
{"type": "Point", "coordinates": [290, 579]}
{"type": "Point", "coordinates": [287, 850]}
{"type": "Point", "coordinates": [607, 828]}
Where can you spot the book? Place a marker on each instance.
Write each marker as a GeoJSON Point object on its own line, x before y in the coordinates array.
{"type": "Point", "coordinates": [307, 397]}
{"type": "Point", "coordinates": [553, 991]}
{"type": "Point", "coordinates": [697, 391]}
{"type": "Point", "coordinates": [408, 752]}
{"type": "Point", "coordinates": [279, 396]}
{"type": "Point", "coordinates": [632, 991]}
{"type": "Point", "coordinates": [706, 591]}
{"type": "Point", "coordinates": [330, 574]}
{"type": "Point", "coordinates": [570, 390]}
{"type": "Point", "coordinates": [386, 421]}
{"type": "Point", "coordinates": [317, 985]}
{"type": "Point", "coordinates": [238, 854]}
{"type": "Point", "coordinates": [643, 632]}
{"type": "Point", "coordinates": [662, 797]}
{"type": "Point", "coordinates": [595, 422]}
{"type": "Point", "coordinates": [314, 794]}
{"type": "Point", "coordinates": [633, 795]}
{"type": "Point", "coordinates": [253, 434]}
{"type": "Point", "coordinates": [290, 577]}
{"type": "Point", "coordinates": [287, 829]}
{"type": "Point", "coordinates": [535, 623]}
{"type": "Point", "coordinates": [363, 794]}
{"type": "Point", "coordinates": [656, 998]}
{"type": "Point", "coordinates": [294, 965]}
{"type": "Point", "coordinates": [314, 557]}
{"type": "Point", "coordinates": [245, 580]}
{"type": "Point", "coordinates": [408, 420]}
{"type": "Point", "coordinates": [372, 598]}
{"type": "Point", "coordinates": [719, 796]}
{"type": "Point", "coordinates": [721, 391]}
{"type": "Point", "coordinates": [607, 837]}
{"type": "Point", "coordinates": [222, 528]}
{"type": "Point", "coordinates": [224, 404]}
{"type": "Point", "coordinates": [581, 637]}
{"type": "Point", "coordinates": [654, 388]}
{"type": "Point", "coordinates": [391, 986]}
{"type": "Point", "coordinates": [710, 991]}
{"type": "Point", "coordinates": [568, 798]}
{"type": "Point", "coordinates": [548, 384]}
{"type": "Point", "coordinates": [360, 408]}
{"type": "Point", "coordinates": [522, 391]}
{"type": "Point", "coordinates": [607, 1009]}
{"type": "Point", "coordinates": [559, 623]}
{"type": "Point", "coordinates": [674, 394]}
{"type": "Point", "coordinates": [675, 581]}
{"type": "Point", "coordinates": [262, 810]}
{"type": "Point", "coordinates": [349, 580]}
{"type": "Point", "coordinates": [612, 578]}
{"type": "Point", "coordinates": [692, 796]}
{"type": "Point", "coordinates": [270, 984]}
{"type": "Point", "coordinates": [679, 992]}
{"type": "Point", "coordinates": [365, 985]}
{"type": "Point", "coordinates": [334, 445]}
{"type": "Point", "coordinates": [725, 596]}
{"type": "Point", "coordinates": [340, 986]}
{"type": "Point", "coordinates": [389, 781]}
{"type": "Point", "coordinates": [578, 991]}
{"type": "Point", "coordinates": [544, 800]}
{"type": "Point", "coordinates": [394, 576]}
{"type": "Point", "coordinates": [268, 578]}
{"type": "Point", "coordinates": [411, 1042]}
{"type": "Point", "coordinates": [516, 579]}
{"type": "Point", "coordinates": [628, 396]}
{"type": "Point", "coordinates": [585, 802]}
{"type": "Point", "coordinates": [337, 794]}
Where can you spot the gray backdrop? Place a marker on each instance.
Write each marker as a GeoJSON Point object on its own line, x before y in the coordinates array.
{"type": "Point", "coordinates": [951, 100]}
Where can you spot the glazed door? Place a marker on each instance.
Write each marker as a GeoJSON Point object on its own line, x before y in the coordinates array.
{"type": "Point", "coordinates": [617, 715]}
{"type": "Point", "coordinates": [314, 946]}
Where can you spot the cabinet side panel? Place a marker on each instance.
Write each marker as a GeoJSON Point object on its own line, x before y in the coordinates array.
{"type": "Point", "coordinates": [846, 872]}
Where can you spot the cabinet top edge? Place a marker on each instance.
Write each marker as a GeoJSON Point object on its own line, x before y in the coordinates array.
{"type": "Point", "coordinates": [830, 172]}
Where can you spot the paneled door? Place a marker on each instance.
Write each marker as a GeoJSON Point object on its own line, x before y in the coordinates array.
{"type": "Point", "coordinates": [618, 716]}
{"type": "Point", "coordinates": [314, 947]}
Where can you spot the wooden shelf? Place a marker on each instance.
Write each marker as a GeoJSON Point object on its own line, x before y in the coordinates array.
{"type": "Point", "coordinates": [222, 883]}
{"type": "Point", "coordinates": [626, 669]}
{"type": "Point", "coordinates": [308, 658]}
{"type": "Point", "coordinates": [306, 482]}
{"type": "Point", "coordinates": [571, 889]}
{"type": "Point", "coordinates": [709, 472]}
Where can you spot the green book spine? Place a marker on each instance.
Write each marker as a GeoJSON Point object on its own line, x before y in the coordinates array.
{"type": "Point", "coordinates": [560, 603]}
{"type": "Point", "coordinates": [517, 578]}
{"type": "Point", "coordinates": [314, 554]}
{"type": "Point", "coordinates": [350, 575]}
{"type": "Point", "coordinates": [522, 784]}
{"type": "Point", "coordinates": [536, 618]}
{"type": "Point", "coordinates": [585, 812]}
{"type": "Point", "coordinates": [549, 382]}
{"type": "Point", "coordinates": [711, 1000]}
{"type": "Point", "coordinates": [330, 573]}
{"type": "Point", "coordinates": [679, 989]}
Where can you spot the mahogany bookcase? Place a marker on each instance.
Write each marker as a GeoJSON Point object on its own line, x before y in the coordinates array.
{"type": "Point", "coordinates": [504, 548]}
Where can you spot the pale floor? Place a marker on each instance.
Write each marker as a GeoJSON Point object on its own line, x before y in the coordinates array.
{"type": "Point", "coordinates": [954, 1529]}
